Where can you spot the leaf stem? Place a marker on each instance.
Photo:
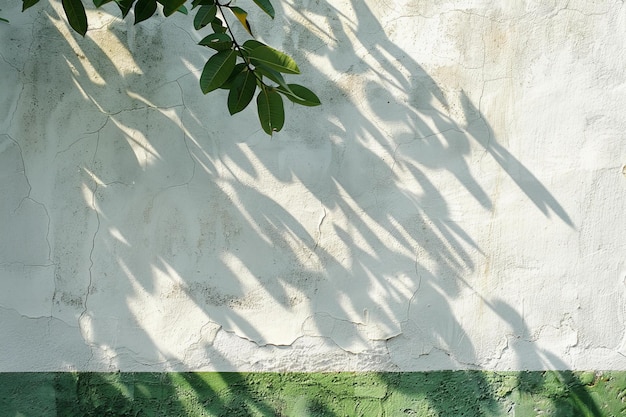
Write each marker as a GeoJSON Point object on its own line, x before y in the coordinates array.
{"type": "Point", "coordinates": [238, 47]}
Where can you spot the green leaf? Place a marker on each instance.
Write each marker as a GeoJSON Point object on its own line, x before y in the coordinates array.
{"type": "Point", "coordinates": [76, 16]}
{"type": "Point", "coordinates": [217, 70]}
{"type": "Point", "coordinates": [99, 3]}
{"type": "Point", "coordinates": [144, 9]}
{"type": "Point", "coordinates": [275, 76]}
{"type": "Point", "coordinates": [236, 71]}
{"type": "Point", "coordinates": [271, 111]}
{"type": "Point", "coordinates": [28, 3]}
{"type": "Point", "coordinates": [218, 26]}
{"type": "Point", "coordinates": [266, 6]}
{"type": "Point", "coordinates": [300, 95]}
{"type": "Point", "coordinates": [252, 44]}
{"type": "Point", "coordinates": [124, 6]}
{"type": "Point", "coordinates": [204, 16]}
{"type": "Point", "coordinates": [242, 16]}
{"type": "Point", "coordinates": [217, 41]}
{"type": "Point", "coordinates": [171, 6]}
{"type": "Point", "coordinates": [241, 92]}
{"type": "Point", "coordinates": [274, 59]}
{"type": "Point", "coordinates": [196, 3]}
{"type": "Point", "coordinates": [182, 9]}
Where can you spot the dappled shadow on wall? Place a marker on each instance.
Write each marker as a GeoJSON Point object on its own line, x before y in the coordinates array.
{"type": "Point", "coordinates": [183, 241]}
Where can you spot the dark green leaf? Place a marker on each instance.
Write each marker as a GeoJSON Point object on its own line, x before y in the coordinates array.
{"type": "Point", "coordinates": [266, 6]}
{"type": "Point", "coordinates": [171, 6]}
{"type": "Point", "coordinates": [182, 9]}
{"type": "Point", "coordinates": [144, 9]}
{"type": "Point", "coordinates": [217, 70]}
{"type": "Point", "coordinates": [218, 26]}
{"type": "Point", "coordinates": [28, 3]}
{"type": "Point", "coordinates": [242, 16]}
{"type": "Point", "coordinates": [300, 95]}
{"type": "Point", "coordinates": [204, 16]}
{"type": "Point", "coordinates": [271, 111]}
{"type": "Point", "coordinates": [76, 16]}
{"type": "Point", "coordinates": [99, 3]}
{"type": "Point", "coordinates": [2, 19]}
{"type": "Point", "coordinates": [275, 76]}
{"type": "Point", "coordinates": [196, 3]}
{"type": "Point", "coordinates": [124, 6]}
{"type": "Point", "coordinates": [217, 41]}
{"type": "Point", "coordinates": [231, 78]}
{"type": "Point", "coordinates": [241, 92]}
{"type": "Point", "coordinates": [252, 44]}
{"type": "Point", "coordinates": [274, 59]}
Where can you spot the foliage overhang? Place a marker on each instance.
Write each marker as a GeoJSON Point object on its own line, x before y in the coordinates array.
{"type": "Point", "coordinates": [243, 68]}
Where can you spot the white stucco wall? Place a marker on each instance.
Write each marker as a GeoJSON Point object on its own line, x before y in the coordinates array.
{"type": "Point", "coordinates": [459, 200]}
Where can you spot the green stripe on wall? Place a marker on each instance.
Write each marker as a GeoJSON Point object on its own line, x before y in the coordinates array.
{"type": "Point", "coordinates": [441, 393]}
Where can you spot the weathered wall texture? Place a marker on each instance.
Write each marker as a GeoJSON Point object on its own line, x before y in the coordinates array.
{"type": "Point", "coordinates": [458, 201]}
{"type": "Point", "coordinates": [467, 393]}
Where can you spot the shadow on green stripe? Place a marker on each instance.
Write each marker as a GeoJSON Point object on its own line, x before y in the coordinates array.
{"type": "Point", "coordinates": [441, 393]}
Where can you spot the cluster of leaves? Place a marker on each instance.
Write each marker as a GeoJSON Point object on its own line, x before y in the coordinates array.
{"type": "Point", "coordinates": [241, 68]}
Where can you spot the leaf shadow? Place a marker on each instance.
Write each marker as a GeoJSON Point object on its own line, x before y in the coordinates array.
{"type": "Point", "coordinates": [362, 250]}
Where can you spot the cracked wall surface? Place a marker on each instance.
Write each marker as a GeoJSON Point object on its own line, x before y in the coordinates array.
{"type": "Point", "coordinates": [456, 202]}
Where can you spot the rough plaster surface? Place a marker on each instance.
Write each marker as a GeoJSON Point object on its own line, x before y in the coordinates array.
{"type": "Point", "coordinates": [426, 394]}
{"type": "Point", "coordinates": [457, 202]}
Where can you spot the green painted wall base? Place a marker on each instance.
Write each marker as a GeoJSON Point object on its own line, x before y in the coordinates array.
{"type": "Point", "coordinates": [442, 393]}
